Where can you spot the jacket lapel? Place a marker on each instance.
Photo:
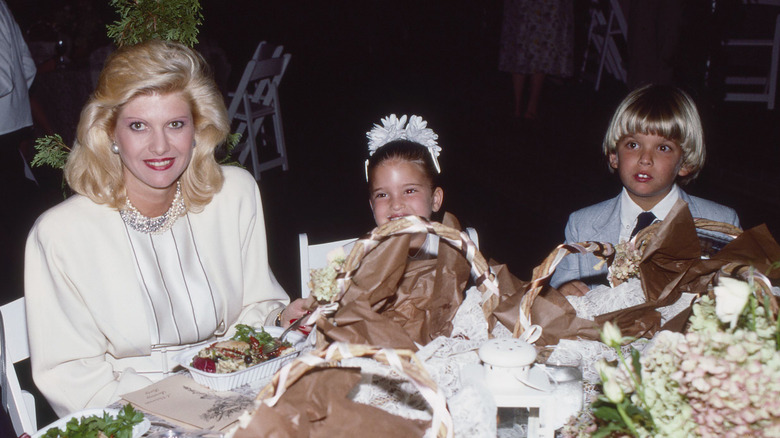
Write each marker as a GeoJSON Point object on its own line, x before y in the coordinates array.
{"type": "Point", "coordinates": [606, 224]}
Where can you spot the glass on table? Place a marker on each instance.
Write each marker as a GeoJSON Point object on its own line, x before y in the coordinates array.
{"type": "Point", "coordinates": [564, 368]}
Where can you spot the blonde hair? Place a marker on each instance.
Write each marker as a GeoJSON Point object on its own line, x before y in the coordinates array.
{"type": "Point", "coordinates": [665, 111]}
{"type": "Point", "coordinates": [148, 68]}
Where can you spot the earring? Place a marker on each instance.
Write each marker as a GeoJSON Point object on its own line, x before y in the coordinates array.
{"type": "Point", "coordinates": [114, 148]}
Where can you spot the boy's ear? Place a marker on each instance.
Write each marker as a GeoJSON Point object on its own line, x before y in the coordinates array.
{"type": "Point", "coordinates": [613, 160]}
{"type": "Point", "coordinates": [684, 170]}
{"type": "Point", "coordinates": [438, 198]}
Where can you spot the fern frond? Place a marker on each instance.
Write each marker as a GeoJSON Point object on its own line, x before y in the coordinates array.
{"type": "Point", "coordinates": [51, 151]}
{"type": "Point", "coordinates": [141, 20]}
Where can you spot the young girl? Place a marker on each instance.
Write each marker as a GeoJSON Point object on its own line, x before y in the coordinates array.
{"type": "Point", "coordinates": [402, 173]}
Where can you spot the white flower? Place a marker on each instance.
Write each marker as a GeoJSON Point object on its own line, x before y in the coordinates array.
{"type": "Point", "coordinates": [610, 335]}
{"type": "Point", "coordinates": [613, 391]}
{"type": "Point", "coordinates": [417, 132]}
{"type": "Point", "coordinates": [609, 382]}
{"type": "Point", "coordinates": [323, 282]}
{"type": "Point", "coordinates": [392, 129]}
{"type": "Point", "coordinates": [605, 370]}
{"type": "Point", "coordinates": [336, 256]}
{"type": "Point", "coordinates": [731, 295]}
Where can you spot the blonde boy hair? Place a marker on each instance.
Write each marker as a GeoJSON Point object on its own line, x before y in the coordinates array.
{"type": "Point", "coordinates": [149, 68]}
{"type": "Point", "coordinates": [665, 111]}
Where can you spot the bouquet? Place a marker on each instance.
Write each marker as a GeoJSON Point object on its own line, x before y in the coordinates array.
{"type": "Point", "coordinates": [720, 379]}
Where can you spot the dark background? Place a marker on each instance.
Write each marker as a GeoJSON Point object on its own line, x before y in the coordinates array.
{"type": "Point", "coordinates": [355, 61]}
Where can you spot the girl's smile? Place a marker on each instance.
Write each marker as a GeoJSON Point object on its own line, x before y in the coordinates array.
{"type": "Point", "coordinates": [401, 188]}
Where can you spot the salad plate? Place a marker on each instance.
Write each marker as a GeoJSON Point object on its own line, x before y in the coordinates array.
{"type": "Point", "coordinates": [228, 381]}
{"type": "Point", "coordinates": [138, 430]}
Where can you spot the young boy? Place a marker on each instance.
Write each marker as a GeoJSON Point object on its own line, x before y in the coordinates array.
{"type": "Point", "coordinates": [655, 142]}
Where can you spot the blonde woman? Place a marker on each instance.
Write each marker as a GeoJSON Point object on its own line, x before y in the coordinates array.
{"type": "Point", "coordinates": [160, 248]}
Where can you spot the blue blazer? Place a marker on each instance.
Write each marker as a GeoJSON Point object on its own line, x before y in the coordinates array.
{"type": "Point", "coordinates": [601, 222]}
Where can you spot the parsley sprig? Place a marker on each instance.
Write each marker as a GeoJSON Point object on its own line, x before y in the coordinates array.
{"type": "Point", "coordinates": [92, 426]}
{"type": "Point", "coordinates": [244, 332]}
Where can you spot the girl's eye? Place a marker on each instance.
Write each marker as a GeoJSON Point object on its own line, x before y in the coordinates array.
{"type": "Point", "coordinates": [136, 126]}
{"type": "Point", "coordinates": [380, 195]}
{"type": "Point", "coordinates": [410, 191]}
{"type": "Point", "coordinates": [177, 124]}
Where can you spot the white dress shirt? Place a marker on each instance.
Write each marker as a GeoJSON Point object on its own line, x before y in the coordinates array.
{"type": "Point", "coordinates": [629, 210]}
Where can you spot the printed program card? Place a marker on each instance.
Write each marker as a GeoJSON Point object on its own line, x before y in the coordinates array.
{"type": "Point", "coordinates": [187, 403]}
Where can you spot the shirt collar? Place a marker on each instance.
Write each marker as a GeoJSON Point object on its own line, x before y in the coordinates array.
{"type": "Point", "coordinates": [629, 210]}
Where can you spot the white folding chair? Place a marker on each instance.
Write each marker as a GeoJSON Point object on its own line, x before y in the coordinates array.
{"type": "Point", "coordinates": [764, 86]}
{"type": "Point", "coordinates": [265, 51]}
{"type": "Point", "coordinates": [19, 404]}
{"type": "Point", "coordinates": [255, 98]}
{"type": "Point", "coordinates": [315, 256]}
{"type": "Point", "coordinates": [608, 26]}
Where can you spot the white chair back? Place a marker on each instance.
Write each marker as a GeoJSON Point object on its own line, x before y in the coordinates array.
{"type": "Point", "coordinates": [315, 256]}
{"type": "Point", "coordinates": [745, 85]}
{"type": "Point", "coordinates": [265, 51]}
{"type": "Point", "coordinates": [15, 348]}
{"type": "Point", "coordinates": [256, 97]}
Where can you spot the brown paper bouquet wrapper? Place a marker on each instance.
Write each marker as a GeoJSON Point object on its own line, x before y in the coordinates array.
{"type": "Point", "coordinates": [317, 405]}
{"type": "Point", "coordinates": [395, 302]}
{"type": "Point", "coordinates": [671, 264]}
{"type": "Point", "coordinates": [310, 397]}
{"type": "Point", "coordinates": [550, 310]}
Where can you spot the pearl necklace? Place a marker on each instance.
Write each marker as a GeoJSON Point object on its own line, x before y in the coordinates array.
{"type": "Point", "coordinates": [154, 225]}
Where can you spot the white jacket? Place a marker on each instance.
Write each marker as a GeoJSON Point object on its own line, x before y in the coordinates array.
{"type": "Point", "coordinates": [88, 314]}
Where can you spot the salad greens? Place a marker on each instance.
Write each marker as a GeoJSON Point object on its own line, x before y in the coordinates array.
{"type": "Point", "coordinates": [245, 332]}
{"type": "Point", "coordinates": [91, 427]}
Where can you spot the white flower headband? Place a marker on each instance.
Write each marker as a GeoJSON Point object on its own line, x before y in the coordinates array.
{"type": "Point", "coordinates": [393, 129]}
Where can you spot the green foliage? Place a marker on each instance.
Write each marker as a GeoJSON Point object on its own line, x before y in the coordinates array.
{"type": "Point", "coordinates": [51, 151]}
{"type": "Point", "coordinates": [244, 332]}
{"type": "Point", "coordinates": [624, 418]}
{"type": "Point", "coordinates": [231, 142]}
{"type": "Point", "coordinates": [170, 20]}
{"type": "Point", "coordinates": [90, 427]}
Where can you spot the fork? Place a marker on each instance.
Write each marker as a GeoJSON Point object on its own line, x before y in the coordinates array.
{"type": "Point", "coordinates": [271, 346]}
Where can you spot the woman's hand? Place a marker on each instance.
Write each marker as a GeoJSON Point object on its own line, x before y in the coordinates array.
{"type": "Point", "coordinates": [297, 309]}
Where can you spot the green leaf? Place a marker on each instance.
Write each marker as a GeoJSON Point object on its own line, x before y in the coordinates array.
{"type": "Point", "coordinates": [141, 20]}
{"type": "Point", "coordinates": [636, 363]}
{"type": "Point", "coordinates": [607, 430]}
{"type": "Point", "coordinates": [90, 427]}
{"type": "Point", "coordinates": [608, 414]}
{"type": "Point", "coordinates": [51, 151]}
{"type": "Point", "coordinates": [230, 144]}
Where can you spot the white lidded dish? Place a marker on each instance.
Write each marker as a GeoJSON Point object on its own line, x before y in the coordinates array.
{"type": "Point", "coordinates": [228, 381]}
{"type": "Point", "coordinates": [506, 362]}
{"type": "Point", "coordinates": [507, 353]}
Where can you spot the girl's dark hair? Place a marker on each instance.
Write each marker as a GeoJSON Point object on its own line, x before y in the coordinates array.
{"type": "Point", "coordinates": [404, 150]}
